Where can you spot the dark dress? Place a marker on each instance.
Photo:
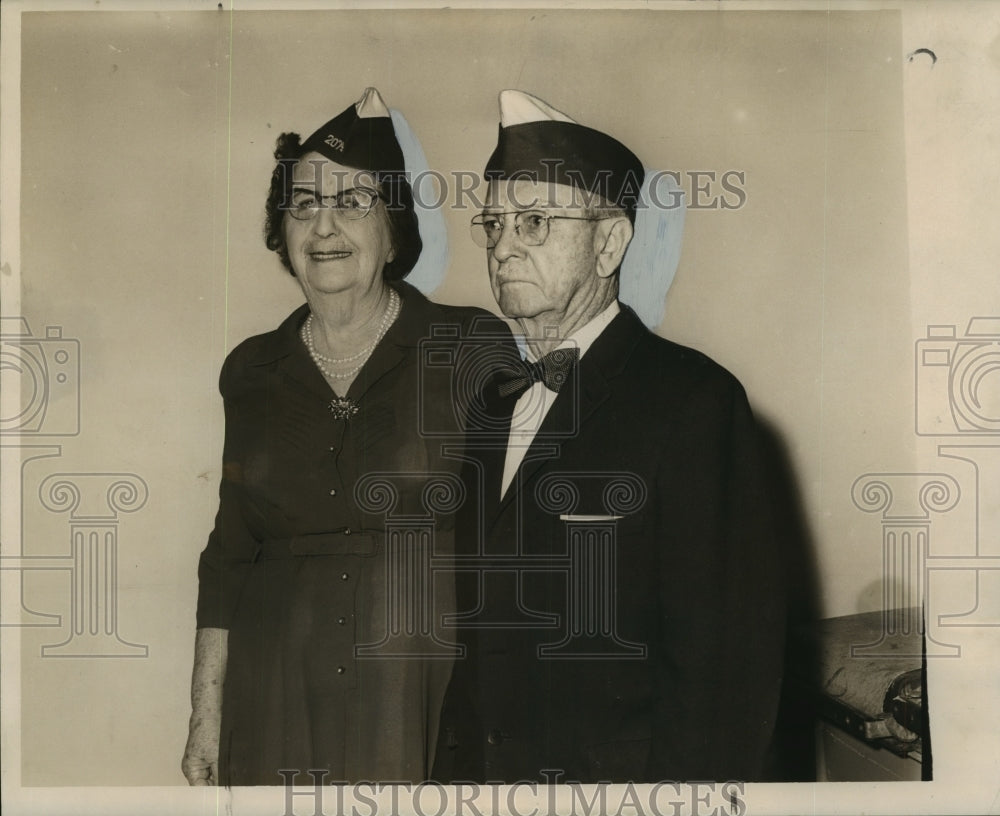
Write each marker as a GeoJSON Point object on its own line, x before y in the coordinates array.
{"type": "Point", "coordinates": [336, 662]}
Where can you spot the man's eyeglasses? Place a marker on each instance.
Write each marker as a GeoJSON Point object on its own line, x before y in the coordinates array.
{"type": "Point", "coordinates": [531, 226]}
{"type": "Point", "coordinates": [352, 204]}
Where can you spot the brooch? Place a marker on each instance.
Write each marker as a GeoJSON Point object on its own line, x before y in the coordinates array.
{"type": "Point", "coordinates": [342, 408]}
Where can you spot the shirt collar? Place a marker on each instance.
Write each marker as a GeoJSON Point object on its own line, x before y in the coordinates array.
{"type": "Point", "coordinates": [584, 337]}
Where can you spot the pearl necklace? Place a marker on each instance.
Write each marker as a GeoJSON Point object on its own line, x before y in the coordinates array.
{"type": "Point", "coordinates": [390, 315]}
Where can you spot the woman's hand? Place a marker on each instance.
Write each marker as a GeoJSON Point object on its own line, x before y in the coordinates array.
{"type": "Point", "coordinates": [201, 755]}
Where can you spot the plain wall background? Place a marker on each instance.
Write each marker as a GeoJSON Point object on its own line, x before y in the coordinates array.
{"type": "Point", "coordinates": [146, 144]}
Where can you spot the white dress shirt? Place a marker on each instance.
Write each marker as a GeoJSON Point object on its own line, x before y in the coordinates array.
{"type": "Point", "coordinates": [532, 406]}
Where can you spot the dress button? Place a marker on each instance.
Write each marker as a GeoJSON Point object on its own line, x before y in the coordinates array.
{"type": "Point", "coordinates": [495, 737]}
{"type": "Point", "coordinates": [344, 576]}
{"type": "Point", "coordinates": [347, 531]}
{"type": "Point", "coordinates": [332, 449]}
{"type": "Point", "coordinates": [341, 621]}
{"type": "Point", "coordinates": [341, 670]}
{"type": "Point", "coordinates": [333, 491]}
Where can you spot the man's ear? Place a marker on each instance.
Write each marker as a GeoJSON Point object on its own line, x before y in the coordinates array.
{"type": "Point", "coordinates": [611, 239]}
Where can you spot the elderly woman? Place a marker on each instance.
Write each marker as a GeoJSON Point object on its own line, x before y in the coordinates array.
{"type": "Point", "coordinates": [295, 669]}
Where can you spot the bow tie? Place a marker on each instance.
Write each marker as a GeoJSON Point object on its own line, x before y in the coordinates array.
{"type": "Point", "coordinates": [552, 370]}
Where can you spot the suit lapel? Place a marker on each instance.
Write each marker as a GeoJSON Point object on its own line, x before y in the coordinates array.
{"type": "Point", "coordinates": [490, 448]}
{"type": "Point", "coordinates": [586, 390]}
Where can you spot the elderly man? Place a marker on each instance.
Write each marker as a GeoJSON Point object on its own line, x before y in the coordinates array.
{"type": "Point", "coordinates": [621, 605]}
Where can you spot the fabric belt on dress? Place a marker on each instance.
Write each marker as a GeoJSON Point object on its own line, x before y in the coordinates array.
{"type": "Point", "coordinates": [344, 542]}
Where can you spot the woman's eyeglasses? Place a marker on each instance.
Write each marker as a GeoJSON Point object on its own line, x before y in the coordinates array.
{"type": "Point", "coordinates": [352, 204]}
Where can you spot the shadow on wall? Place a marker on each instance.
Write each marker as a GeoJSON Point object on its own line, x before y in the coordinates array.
{"type": "Point", "coordinates": [793, 754]}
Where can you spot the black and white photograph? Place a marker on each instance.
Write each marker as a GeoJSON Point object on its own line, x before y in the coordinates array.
{"type": "Point", "coordinates": [499, 408]}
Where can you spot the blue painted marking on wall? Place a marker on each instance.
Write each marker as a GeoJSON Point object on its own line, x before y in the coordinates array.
{"type": "Point", "coordinates": [430, 270]}
{"type": "Point", "coordinates": [651, 261]}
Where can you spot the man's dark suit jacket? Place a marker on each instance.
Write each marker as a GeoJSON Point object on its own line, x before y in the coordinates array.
{"type": "Point", "coordinates": [657, 657]}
